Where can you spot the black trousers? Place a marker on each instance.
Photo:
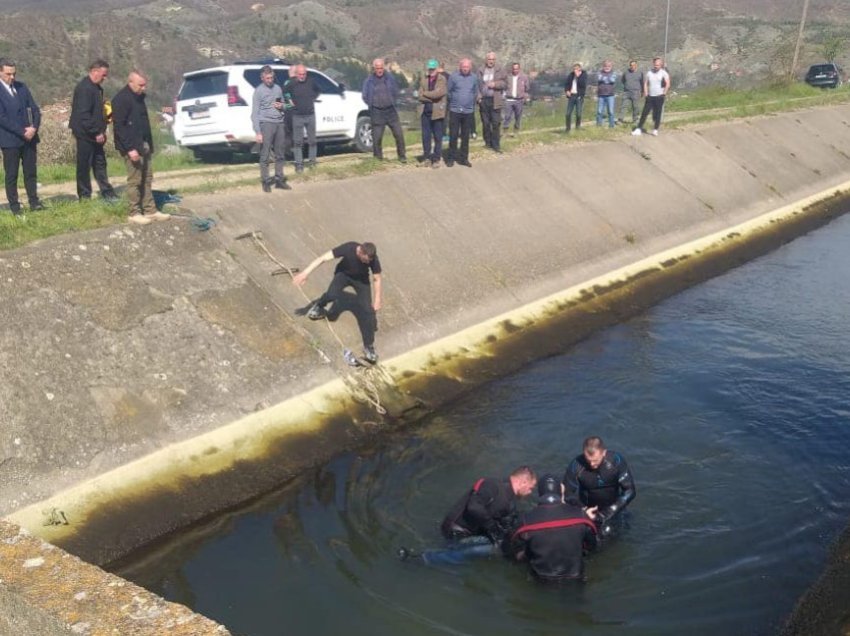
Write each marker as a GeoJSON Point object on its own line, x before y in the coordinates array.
{"type": "Point", "coordinates": [367, 321]}
{"type": "Point", "coordinates": [656, 105]}
{"type": "Point", "coordinates": [25, 156]}
{"type": "Point", "coordinates": [91, 157]}
{"type": "Point", "coordinates": [381, 118]}
{"type": "Point", "coordinates": [460, 124]}
{"type": "Point", "coordinates": [491, 122]}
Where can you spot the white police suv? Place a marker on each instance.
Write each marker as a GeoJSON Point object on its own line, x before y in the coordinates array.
{"type": "Point", "coordinates": [212, 111]}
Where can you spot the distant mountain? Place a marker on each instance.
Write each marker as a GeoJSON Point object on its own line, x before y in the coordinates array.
{"type": "Point", "coordinates": [722, 41]}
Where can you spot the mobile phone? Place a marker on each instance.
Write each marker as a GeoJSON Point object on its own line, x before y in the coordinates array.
{"type": "Point", "coordinates": [278, 99]}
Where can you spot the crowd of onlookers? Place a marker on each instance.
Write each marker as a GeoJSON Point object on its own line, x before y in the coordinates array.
{"type": "Point", "coordinates": [499, 94]}
{"type": "Point", "coordinates": [447, 107]}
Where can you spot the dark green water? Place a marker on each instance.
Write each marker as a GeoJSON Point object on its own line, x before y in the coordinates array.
{"type": "Point", "coordinates": [730, 402]}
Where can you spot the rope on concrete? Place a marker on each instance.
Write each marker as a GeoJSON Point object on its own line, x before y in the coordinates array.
{"type": "Point", "coordinates": [364, 386]}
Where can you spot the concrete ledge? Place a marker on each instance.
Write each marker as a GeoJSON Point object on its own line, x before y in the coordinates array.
{"type": "Point", "coordinates": [48, 592]}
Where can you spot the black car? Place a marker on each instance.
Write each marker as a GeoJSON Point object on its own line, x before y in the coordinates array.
{"type": "Point", "coordinates": [827, 75]}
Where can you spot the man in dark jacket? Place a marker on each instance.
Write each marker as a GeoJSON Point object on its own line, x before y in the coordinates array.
{"type": "Point", "coordinates": [134, 141]}
{"type": "Point", "coordinates": [575, 88]}
{"type": "Point", "coordinates": [380, 92]}
{"type": "Point", "coordinates": [601, 479]}
{"type": "Point", "coordinates": [20, 119]}
{"type": "Point", "coordinates": [88, 123]}
{"type": "Point", "coordinates": [492, 81]}
{"type": "Point", "coordinates": [554, 536]}
{"type": "Point", "coordinates": [300, 93]}
{"type": "Point", "coordinates": [358, 268]}
{"type": "Point", "coordinates": [489, 507]}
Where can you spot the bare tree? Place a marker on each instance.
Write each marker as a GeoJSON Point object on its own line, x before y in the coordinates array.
{"type": "Point", "coordinates": [799, 39]}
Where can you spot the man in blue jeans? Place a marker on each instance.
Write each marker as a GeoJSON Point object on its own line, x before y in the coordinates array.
{"type": "Point", "coordinates": [606, 81]}
{"type": "Point", "coordinates": [432, 112]}
{"type": "Point", "coordinates": [574, 89]}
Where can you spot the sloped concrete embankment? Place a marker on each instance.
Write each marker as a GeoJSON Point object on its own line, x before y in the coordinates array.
{"type": "Point", "coordinates": [153, 376]}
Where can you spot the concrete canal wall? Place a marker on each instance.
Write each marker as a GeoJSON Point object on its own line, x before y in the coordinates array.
{"type": "Point", "coordinates": [154, 376]}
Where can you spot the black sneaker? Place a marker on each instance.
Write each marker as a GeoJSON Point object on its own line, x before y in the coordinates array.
{"type": "Point", "coordinates": [37, 206]}
{"type": "Point", "coordinates": [449, 163]}
{"type": "Point", "coordinates": [110, 198]}
{"type": "Point", "coordinates": [464, 163]}
{"type": "Point", "coordinates": [281, 184]}
{"type": "Point", "coordinates": [317, 312]}
{"type": "Point", "coordinates": [267, 186]}
{"type": "Point", "coordinates": [370, 354]}
{"type": "Point", "coordinates": [402, 159]}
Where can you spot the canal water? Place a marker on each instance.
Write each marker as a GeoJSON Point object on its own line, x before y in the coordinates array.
{"type": "Point", "coordinates": [729, 402]}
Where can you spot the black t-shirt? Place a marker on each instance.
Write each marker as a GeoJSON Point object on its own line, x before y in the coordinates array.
{"type": "Point", "coordinates": [352, 266]}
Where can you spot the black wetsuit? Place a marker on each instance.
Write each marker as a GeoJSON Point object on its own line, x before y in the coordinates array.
{"type": "Point", "coordinates": [610, 487]}
{"type": "Point", "coordinates": [487, 509]}
{"type": "Point", "coordinates": [553, 538]}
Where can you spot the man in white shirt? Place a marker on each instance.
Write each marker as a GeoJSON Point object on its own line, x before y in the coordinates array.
{"type": "Point", "coordinates": [517, 93]}
{"type": "Point", "coordinates": [656, 85]}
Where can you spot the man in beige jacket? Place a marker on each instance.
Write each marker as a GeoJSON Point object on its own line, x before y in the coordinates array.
{"type": "Point", "coordinates": [432, 112]}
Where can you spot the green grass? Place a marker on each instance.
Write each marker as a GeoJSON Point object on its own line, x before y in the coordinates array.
{"type": "Point", "coordinates": [182, 159]}
{"type": "Point", "coordinates": [59, 218]}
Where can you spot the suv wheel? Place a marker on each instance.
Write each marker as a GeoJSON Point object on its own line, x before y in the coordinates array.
{"type": "Point", "coordinates": [363, 134]}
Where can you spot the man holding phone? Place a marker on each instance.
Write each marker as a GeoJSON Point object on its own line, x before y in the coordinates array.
{"type": "Point", "coordinates": [267, 113]}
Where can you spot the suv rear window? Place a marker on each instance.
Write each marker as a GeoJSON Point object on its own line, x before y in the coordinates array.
{"type": "Point", "coordinates": [204, 85]}
{"type": "Point", "coordinates": [252, 76]}
{"type": "Point", "coordinates": [817, 69]}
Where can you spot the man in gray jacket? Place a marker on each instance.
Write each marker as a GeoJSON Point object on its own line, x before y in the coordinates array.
{"type": "Point", "coordinates": [463, 94]}
{"type": "Point", "coordinates": [267, 119]}
{"type": "Point", "coordinates": [632, 89]}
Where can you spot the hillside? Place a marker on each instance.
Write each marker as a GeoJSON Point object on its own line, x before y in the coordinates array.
{"type": "Point", "coordinates": [725, 41]}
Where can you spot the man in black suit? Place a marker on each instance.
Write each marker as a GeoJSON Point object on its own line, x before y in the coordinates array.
{"type": "Point", "coordinates": [20, 119]}
{"type": "Point", "coordinates": [88, 123]}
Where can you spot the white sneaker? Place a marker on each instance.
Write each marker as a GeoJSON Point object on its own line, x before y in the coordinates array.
{"type": "Point", "coordinates": [655, 132]}
{"type": "Point", "coordinates": [138, 219]}
{"type": "Point", "coordinates": [636, 132]}
{"type": "Point", "coordinates": [157, 216]}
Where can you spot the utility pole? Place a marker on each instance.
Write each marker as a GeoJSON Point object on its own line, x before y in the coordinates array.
{"type": "Point", "coordinates": [799, 39]}
{"type": "Point", "coordinates": [667, 30]}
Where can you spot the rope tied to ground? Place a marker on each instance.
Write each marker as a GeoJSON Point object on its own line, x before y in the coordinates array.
{"type": "Point", "coordinates": [364, 386]}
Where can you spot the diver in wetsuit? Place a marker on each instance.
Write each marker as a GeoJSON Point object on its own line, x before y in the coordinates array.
{"type": "Point", "coordinates": [600, 478]}
{"type": "Point", "coordinates": [554, 536]}
{"type": "Point", "coordinates": [489, 507]}
{"type": "Point", "coordinates": [480, 520]}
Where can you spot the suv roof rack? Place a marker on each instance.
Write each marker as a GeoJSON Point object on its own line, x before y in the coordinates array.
{"type": "Point", "coordinates": [270, 60]}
